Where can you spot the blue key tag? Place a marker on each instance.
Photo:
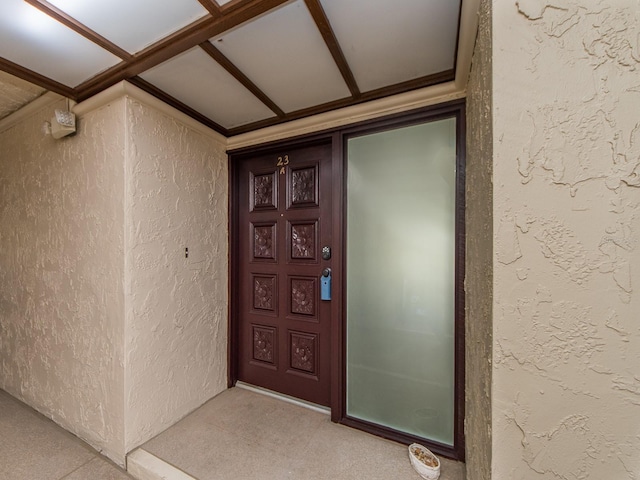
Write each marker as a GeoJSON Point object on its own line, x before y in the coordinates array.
{"type": "Point", "coordinates": [325, 285]}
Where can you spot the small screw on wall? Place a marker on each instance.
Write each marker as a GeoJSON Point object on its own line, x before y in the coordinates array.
{"type": "Point", "coordinates": [186, 252]}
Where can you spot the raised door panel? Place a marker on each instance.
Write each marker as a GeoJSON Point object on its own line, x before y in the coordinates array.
{"type": "Point", "coordinates": [284, 220]}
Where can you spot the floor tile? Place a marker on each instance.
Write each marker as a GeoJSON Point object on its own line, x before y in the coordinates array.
{"type": "Point", "coordinates": [33, 447]}
{"type": "Point", "coordinates": [98, 469]}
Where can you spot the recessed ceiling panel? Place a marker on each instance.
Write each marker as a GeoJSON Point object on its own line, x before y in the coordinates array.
{"type": "Point", "coordinates": [284, 54]}
{"type": "Point", "coordinates": [199, 82]}
{"type": "Point", "coordinates": [34, 40]}
{"type": "Point", "coordinates": [388, 42]}
{"type": "Point", "coordinates": [133, 25]}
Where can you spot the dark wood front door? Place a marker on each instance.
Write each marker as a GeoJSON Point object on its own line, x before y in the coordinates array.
{"type": "Point", "coordinates": [284, 221]}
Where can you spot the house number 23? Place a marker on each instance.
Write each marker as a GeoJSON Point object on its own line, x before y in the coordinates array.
{"type": "Point", "coordinates": [282, 163]}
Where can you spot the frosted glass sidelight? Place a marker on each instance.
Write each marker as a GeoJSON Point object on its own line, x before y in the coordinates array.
{"type": "Point", "coordinates": [400, 279]}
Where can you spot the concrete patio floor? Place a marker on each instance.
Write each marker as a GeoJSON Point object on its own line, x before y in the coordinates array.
{"type": "Point", "coordinates": [32, 447]}
{"type": "Point", "coordinates": [240, 434]}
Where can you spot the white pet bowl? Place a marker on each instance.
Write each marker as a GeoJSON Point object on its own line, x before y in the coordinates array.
{"type": "Point", "coordinates": [429, 470]}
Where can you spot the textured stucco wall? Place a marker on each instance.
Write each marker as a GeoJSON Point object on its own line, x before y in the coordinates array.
{"type": "Point", "coordinates": [104, 325]}
{"type": "Point", "coordinates": [479, 255]}
{"type": "Point", "coordinates": [176, 307]}
{"type": "Point", "coordinates": [61, 273]}
{"type": "Point", "coordinates": [566, 379]}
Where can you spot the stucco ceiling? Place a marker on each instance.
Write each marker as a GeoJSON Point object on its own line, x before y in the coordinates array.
{"type": "Point", "coordinates": [15, 93]}
{"type": "Point", "coordinates": [234, 65]}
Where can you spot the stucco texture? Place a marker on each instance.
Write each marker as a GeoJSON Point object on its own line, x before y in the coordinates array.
{"type": "Point", "coordinates": [176, 307]}
{"type": "Point", "coordinates": [105, 327]}
{"type": "Point", "coordinates": [566, 350]}
{"type": "Point", "coordinates": [479, 255]}
{"type": "Point", "coordinates": [61, 273]}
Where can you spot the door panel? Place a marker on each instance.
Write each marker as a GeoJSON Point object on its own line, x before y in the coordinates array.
{"type": "Point", "coordinates": [284, 221]}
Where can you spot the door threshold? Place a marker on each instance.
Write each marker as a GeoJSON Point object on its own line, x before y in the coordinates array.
{"type": "Point", "coordinates": [285, 398]}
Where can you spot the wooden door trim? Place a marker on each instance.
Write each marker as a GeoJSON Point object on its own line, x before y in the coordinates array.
{"type": "Point", "coordinates": [338, 137]}
{"type": "Point", "coordinates": [450, 110]}
{"type": "Point", "coordinates": [337, 320]}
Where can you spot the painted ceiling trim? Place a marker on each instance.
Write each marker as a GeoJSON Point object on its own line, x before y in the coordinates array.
{"type": "Point", "coordinates": [365, 111]}
{"type": "Point", "coordinates": [466, 41]}
{"type": "Point", "coordinates": [399, 103]}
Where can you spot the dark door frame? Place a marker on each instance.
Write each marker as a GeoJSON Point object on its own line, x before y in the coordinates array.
{"type": "Point", "coordinates": [338, 138]}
